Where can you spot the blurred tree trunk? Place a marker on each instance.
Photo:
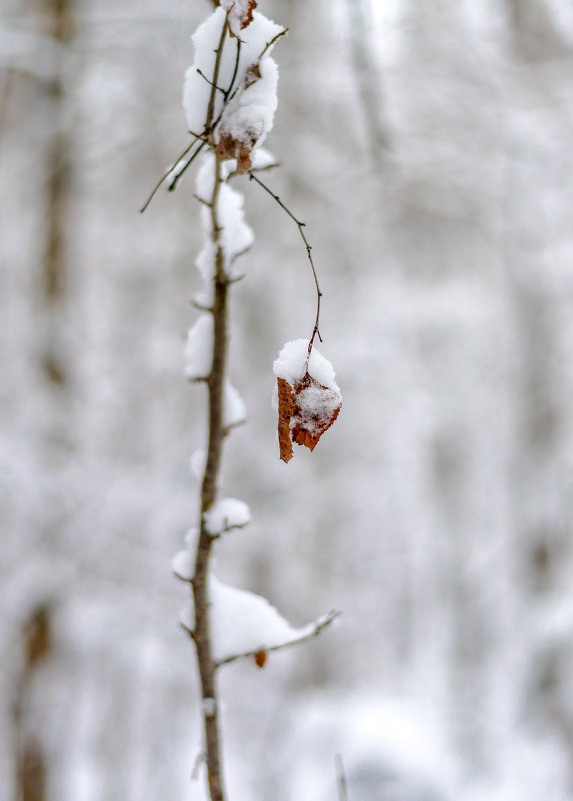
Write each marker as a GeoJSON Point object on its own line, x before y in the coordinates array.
{"type": "Point", "coordinates": [30, 762]}
{"type": "Point", "coordinates": [367, 78]}
{"type": "Point", "coordinates": [536, 33]}
{"type": "Point", "coordinates": [54, 278]}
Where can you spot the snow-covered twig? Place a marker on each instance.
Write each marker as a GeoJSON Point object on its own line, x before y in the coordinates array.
{"type": "Point", "coordinates": [318, 626]}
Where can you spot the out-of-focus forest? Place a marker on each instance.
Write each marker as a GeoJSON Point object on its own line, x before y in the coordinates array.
{"type": "Point", "coordinates": [428, 147]}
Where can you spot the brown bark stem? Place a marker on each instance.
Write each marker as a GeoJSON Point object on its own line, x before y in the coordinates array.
{"type": "Point", "coordinates": [200, 582]}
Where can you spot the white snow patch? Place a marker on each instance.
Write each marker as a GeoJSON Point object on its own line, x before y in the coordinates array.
{"type": "Point", "coordinates": [234, 409]}
{"type": "Point", "coordinates": [236, 235]}
{"type": "Point", "coordinates": [263, 158]}
{"type": "Point", "coordinates": [249, 116]}
{"type": "Point", "coordinates": [191, 539]}
{"type": "Point", "coordinates": [243, 622]}
{"type": "Point", "coordinates": [226, 514]}
{"type": "Point", "coordinates": [199, 348]}
{"type": "Point", "coordinates": [197, 464]}
{"type": "Point", "coordinates": [182, 565]}
{"type": "Point", "coordinates": [209, 707]}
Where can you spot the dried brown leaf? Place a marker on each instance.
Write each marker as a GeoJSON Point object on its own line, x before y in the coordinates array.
{"type": "Point", "coordinates": [305, 413]}
{"type": "Point", "coordinates": [240, 12]}
{"type": "Point", "coordinates": [286, 410]}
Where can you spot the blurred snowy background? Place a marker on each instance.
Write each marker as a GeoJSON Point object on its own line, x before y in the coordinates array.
{"type": "Point", "coordinates": [428, 145]}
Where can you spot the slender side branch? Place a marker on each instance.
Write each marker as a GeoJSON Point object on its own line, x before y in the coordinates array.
{"type": "Point", "coordinates": [235, 70]}
{"type": "Point", "coordinates": [167, 173]}
{"type": "Point", "coordinates": [202, 74]}
{"type": "Point", "coordinates": [219, 53]}
{"type": "Point", "coordinates": [273, 40]}
{"type": "Point", "coordinates": [300, 225]}
{"type": "Point", "coordinates": [320, 624]}
{"type": "Point", "coordinates": [177, 176]}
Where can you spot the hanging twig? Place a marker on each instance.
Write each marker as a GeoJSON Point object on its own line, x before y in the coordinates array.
{"type": "Point", "coordinates": [300, 225]}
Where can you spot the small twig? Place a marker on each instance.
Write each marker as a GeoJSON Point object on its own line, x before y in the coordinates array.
{"type": "Point", "coordinates": [341, 778]}
{"type": "Point", "coordinates": [300, 225]}
{"type": "Point", "coordinates": [228, 98]}
{"type": "Point", "coordinates": [321, 624]}
{"type": "Point", "coordinates": [202, 74]}
{"type": "Point", "coordinates": [255, 169]}
{"type": "Point", "coordinates": [177, 177]}
{"type": "Point", "coordinates": [199, 759]}
{"type": "Point", "coordinates": [238, 256]}
{"type": "Point", "coordinates": [204, 202]}
{"type": "Point", "coordinates": [273, 40]}
{"type": "Point", "coordinates": [236, 69]}
{"type": "Point", "coordinates": [219, 53]}
{"type": "Point", "coordinates": [167, 173]}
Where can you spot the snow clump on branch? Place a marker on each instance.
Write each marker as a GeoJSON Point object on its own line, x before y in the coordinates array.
{"type": "Point", "coordinates": [240, 54]}
{"type": "Point", "coordinates": [242, 622]}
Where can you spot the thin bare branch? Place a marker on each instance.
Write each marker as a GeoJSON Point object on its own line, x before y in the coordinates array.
{"type": "Point", "coordinates": [219, 53]}
{"type": "Point", "coordinates": [300, 225]}
{"type": "Point", "coordinates": [235, 71]}
{"type": "Point", "coordinates": [177, 177]}
{"type": "Point", "coordinates": [167, 173]}
{"type": "Point", "coordinates": [319, 626]}
{"type": "Point", "coordinates": [199, 759]}
{"type": "Point", "coordinates": [202, 74]}
{"type": "Point", "coordinates": [273, 40]}
{"type": "Point", "coordinates": [266, 168]}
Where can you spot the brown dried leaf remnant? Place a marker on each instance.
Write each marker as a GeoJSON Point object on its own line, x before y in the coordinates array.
{"type": "Point", "coordinates": [238, 145]}
{"type": "Point", "coordinates": [305, 413]}
{"type": "Point", "coordinates": [240, 15]}
{"type": "Point", "coordinates": [230, 148]}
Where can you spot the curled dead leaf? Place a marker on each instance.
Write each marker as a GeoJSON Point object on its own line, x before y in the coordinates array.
{"type": "Point", "coordinates": [306, 411]}
{"type": "Point", "coordinates": [260, 658]}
